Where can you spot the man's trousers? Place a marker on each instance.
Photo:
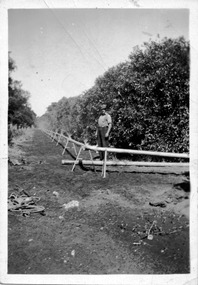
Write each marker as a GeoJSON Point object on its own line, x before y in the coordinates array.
{"type": "Point", "coordinates": [102, 141]}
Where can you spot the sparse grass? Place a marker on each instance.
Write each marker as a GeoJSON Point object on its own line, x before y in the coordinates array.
{"type": "Point", "coordinates": [19, 137]}
{"type": "Point", "coordinates": [14, 152]}
{"type": "Point", "coordinates": [23, 135]}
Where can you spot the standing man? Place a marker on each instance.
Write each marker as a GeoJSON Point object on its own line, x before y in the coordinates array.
{"type": "Point", "coordinates": [103, 130]}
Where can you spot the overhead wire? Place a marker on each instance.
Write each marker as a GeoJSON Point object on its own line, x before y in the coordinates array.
{"type": "Point", "coordinates": [74, 41]}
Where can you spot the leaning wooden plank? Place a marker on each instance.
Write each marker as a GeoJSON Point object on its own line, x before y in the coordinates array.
{"type": "Point", "coordinates": [124, 163]}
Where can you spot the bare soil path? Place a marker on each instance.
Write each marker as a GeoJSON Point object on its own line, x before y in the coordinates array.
{"type": "Point", "coordinates": [107, 232]}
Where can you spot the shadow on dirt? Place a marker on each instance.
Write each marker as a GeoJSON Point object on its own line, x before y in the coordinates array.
{"type": "Point", "coordinates": [183, 186]}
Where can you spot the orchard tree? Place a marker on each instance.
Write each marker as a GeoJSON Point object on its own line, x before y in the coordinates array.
{"type": "Point", "coordinates": [63, 115]}
{"type": "Point", "coordinates": [148, 98]}
{"type": "Point", "coordinates": [19, 111]}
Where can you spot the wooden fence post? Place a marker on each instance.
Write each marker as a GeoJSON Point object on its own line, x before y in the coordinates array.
{"type": "Point", "coordinates": [77, 157]}
{"type": "Point", "coordinates": [94, 168]}
{"type": "Point", "coordinates": [105, 164]}
{"type": "Point", "coordinates": [74, 147]}
{"type": "Point", "coordinates": [53, 137]}
{"type": "Point", "coordinates": [59, 138]}
{"type": "Point", "coordinates": [65, 145]}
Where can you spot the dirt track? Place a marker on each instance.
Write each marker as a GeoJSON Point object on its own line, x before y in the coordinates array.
{"type": "Point", "coordinates": [106, 234]}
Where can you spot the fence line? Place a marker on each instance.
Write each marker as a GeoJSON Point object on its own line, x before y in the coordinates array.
{"type": "Point", "coordinates": [104, 163]}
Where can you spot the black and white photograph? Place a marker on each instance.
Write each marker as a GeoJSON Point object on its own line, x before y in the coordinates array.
{"type": "Point", "coordinates": [99, 143]}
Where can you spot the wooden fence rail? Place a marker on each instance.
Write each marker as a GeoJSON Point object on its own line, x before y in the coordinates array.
{"type": "Point", "coordinates": [84, 146]}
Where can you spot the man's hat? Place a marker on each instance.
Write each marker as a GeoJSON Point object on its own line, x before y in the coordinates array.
{"type": "Point", "coordinates": [103, 106]}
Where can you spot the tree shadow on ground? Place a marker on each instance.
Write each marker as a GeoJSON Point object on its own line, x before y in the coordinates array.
{"type": "Point", "coordinates": [185, 185]}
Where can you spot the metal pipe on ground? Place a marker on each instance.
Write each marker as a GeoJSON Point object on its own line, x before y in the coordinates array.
{"type": "Point", "coordinates": [123, 163]}
{"type": "Point", "coordinates": [140, 152]}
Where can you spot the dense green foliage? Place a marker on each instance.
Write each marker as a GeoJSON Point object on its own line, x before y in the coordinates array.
{"type": "Point", "coordinates": [19, 111]}
{"type": "Point", "coordinates": [147, 97]}
{"type": "Point", "coordinates": [61, 116]}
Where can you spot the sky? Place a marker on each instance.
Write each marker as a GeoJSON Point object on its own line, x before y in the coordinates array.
{"type": "Point", "coordinates": [61, 52]}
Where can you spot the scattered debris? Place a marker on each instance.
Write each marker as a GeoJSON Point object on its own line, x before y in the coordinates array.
{"type": "Point", "coordinates": [163, 250]}
{"type": "Point", "coordinates": [153, 229]}
{"type": "Point", "coordinates": [71, 204]}
{"type": "Point", "coordinates": [14, 161]}
{"type": "Point", "coordinates": [73, 253]}
{"type": "Point", "coordinates": [24, 161]}
{"type": "Point", "coordinates": [150, 236]}
{"type": "Point", "coordinates": [24, 204]}
{"type": "Point", "coordinates": [175, 231]}
{"type": "Point", "coordinates": [56, 194]}
{"type": "Point", "coordinates": [26, 167]}
{"type": "Point", "coordinates": [137, 243]}
{"type": "Point", "coordinates": [41, 162]}
{"type": "Point", "coordinates": [123, 227]}
{"type": "Point", "coordinates": [169, 200]}
{"type": "Point", "coordinates": [24, 192]}
{"type": "Point", "coordinates": [158, 204]}
{"type": "Point", "coordinates": [182, 197]}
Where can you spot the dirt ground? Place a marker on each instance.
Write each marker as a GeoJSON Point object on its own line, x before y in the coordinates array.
{"type": "Point", "coordinates": [107, 231]}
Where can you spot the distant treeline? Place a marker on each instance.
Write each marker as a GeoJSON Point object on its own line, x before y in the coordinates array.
{"type": "Point", "coordinates": [147, 97]}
